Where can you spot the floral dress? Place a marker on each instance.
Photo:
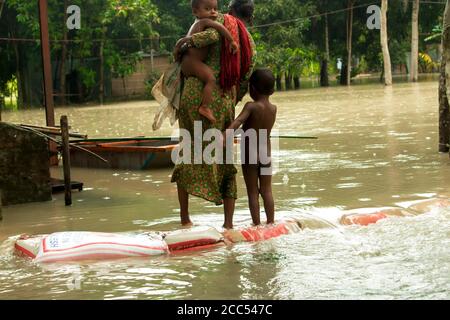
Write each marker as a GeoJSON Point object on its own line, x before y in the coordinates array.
{"type": "Point", "coordinates": [212, 182]}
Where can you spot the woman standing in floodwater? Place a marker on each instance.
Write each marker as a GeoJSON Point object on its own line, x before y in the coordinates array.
{"type": "Point", "coordinates": [215, 183]}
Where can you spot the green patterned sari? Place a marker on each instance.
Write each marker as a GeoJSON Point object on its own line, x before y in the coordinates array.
{"type": "Point", "coordinates": [218, 181]}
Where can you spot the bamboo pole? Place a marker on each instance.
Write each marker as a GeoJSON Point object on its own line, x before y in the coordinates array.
{"type": "Point", "coordinates": [66, 160]}
{"type": "Point", "coordinates": [71, 145]}
{"type": "Point", "coordinates": [54, 131]}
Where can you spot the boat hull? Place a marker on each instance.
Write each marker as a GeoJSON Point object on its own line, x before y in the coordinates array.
{"type": "Point", "coordinates": [126, 155]}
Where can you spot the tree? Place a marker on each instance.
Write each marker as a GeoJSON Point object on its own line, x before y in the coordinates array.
{"type": "Point", "coordinates": [414, 72]}
{"type": "Point", "coordinates": [444, 87]}
{"type": "Point", "coordinates": [277, 37]}
{"type": "Point", "coordinates": [384, 44]}
{"type": "Point", "coordinates": [350, 6]}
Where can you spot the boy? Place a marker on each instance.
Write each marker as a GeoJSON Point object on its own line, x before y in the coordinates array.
{"type": "Point", "coordinates": [192, 63]}
{"type": "Point", "coordinates": [258, 116]}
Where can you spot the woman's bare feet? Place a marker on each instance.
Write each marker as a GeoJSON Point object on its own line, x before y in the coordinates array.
{"type": "Point", "coordinates": [187, 224]}
{"type": "Point", "coordinates": [207, 113]}
{"type": "Point", "coordinates": [227, 227]}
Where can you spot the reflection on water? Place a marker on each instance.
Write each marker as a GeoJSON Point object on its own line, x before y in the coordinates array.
{"type": "Point", "coordinates": [377, 147]}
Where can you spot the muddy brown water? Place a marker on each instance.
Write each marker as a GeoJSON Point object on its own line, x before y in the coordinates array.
{"type": "Point", "coordinates": [377, 147]}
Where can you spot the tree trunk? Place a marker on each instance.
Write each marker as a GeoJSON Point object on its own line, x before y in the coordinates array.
{"type": "Point", "coordinates": [278, 82]}
{"type": "Point", "coordinates": [324, 78]}
{"type": "Point", "coordinates": [2, 105]}
{"type": "Point", "coordinates": [20, 84]}
{"type": "Point", "coordinates": [414, 74]}
{"type": "Point", "coordinates": [349, 41]}
{"type": "Point", "coordinates": [62, 65]}
{"type": "Point", "coordinates": [288, 80]}
{"type": "Point", "coordinates": [444, 87]}
{"type": "Point", "coordinates": [296, 82]}
{"type": "Point", "coordinates": [101, 92]}
{"type": "Point", "coordinates": [343, 80]}
{"type": "Point", "coordinates": [384, 44]}
{"type": "Point", "coordinates": [124, 87]}
{"type": "Point", "coordinates": [2, 3]}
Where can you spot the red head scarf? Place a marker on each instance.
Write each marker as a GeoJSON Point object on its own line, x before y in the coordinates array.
{"type": "Point", "coordinates": [234, 66]}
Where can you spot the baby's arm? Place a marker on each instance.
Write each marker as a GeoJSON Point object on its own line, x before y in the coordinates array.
{"type": "Point", "coordinates": [204, 24]}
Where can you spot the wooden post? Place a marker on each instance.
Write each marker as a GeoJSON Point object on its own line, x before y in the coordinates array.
{"type": "Point", "coordinates": [1, 216]}
{"type": "Point", "coordinates": [66, 159]}
{"type": "Point", "coordinates": [46, 63]}
{"type": "Point", "coordinates": [47, 73]}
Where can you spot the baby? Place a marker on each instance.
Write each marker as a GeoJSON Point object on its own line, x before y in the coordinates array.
{"type": "Point", "coordinates": [192, 63]}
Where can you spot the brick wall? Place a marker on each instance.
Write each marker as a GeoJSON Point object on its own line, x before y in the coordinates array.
{"type": "Point", "coordinates": [135, 84]}
{"type": "Point", "coordinates": [24, 166]}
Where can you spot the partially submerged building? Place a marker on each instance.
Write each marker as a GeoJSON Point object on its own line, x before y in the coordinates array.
{"type": "Point", "coordinates": [24, 166]}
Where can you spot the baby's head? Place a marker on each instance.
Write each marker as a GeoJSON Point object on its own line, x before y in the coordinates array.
{"type": "Point", "coordinates": [262, 83]}
{"type": "Point", "coordinates": [243, 9]}
{"type": "Point", "coordinates": [203, 9]}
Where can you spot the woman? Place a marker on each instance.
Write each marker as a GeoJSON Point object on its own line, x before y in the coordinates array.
{"type": "Point", "coordinates": [214, 183]}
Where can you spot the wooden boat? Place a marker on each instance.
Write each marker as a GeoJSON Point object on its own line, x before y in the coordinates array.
{"type": "Point", "coordinates": [124, 153]}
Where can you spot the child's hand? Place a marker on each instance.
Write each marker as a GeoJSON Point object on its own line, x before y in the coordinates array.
{"type": "Point", "coordinates": [234, 47]}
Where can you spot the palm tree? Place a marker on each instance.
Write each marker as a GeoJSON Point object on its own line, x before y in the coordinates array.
{"type": "Point", "coordinates": [414, 72]}
{"type": "Point", "coordinates": [444, 87]}
{"type": "Point", "coordinates": [384, 44]}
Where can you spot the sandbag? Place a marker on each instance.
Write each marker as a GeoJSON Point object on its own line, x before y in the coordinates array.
{"type": "Point", "coordinates": [424, 206]}
{"type": "Point", "coordinates": [260, 233]}
{"type": "Point", "coordinates": [74, 246]}
{"type": "Point", "coordinates": [367, 216]}
{"type": "Point", "coordinates": [191, 238]}
{"type": "Point", "coordinates": [28, 246]}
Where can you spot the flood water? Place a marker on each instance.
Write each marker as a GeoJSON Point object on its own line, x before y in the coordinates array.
{"type": "Point", "coordinates": [377, 147]}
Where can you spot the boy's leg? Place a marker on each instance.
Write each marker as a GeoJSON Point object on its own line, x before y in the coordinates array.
{"type": "Point", "coordinates": [228, 207]}
{"type": "Point", "coordinates": [183, 198]}
{"type": "Point", "coordinates": [266, 193]}
{"type": "Point", "coordinates": [195, 68]}
{"type": "Point", "coordinates": [251, 181]}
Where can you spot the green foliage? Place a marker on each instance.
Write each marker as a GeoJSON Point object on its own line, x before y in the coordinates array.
{"type": "Point", "coordinates": [289, 34]}
{"type": "Point", "coordinates": [123, 66]}
{"type": "Point", "coordinates": [150, 83]}
{"type": "Point", "coordinates": [436, 34]}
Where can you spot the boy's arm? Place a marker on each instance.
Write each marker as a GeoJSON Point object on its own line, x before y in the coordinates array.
{"type": "Point", "coordinates": [246, 112]}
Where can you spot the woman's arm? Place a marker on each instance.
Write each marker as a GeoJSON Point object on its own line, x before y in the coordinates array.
{"type": "Point", "coordinates": [197, 40]}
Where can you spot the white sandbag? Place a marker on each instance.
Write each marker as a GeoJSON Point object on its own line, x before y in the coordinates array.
{"type": "Point", "coordinates": [28, 246]}
{"type": "Point", "coordinates": [74, 246]}
{"type": "Point", "coordinates": [193, 237]}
